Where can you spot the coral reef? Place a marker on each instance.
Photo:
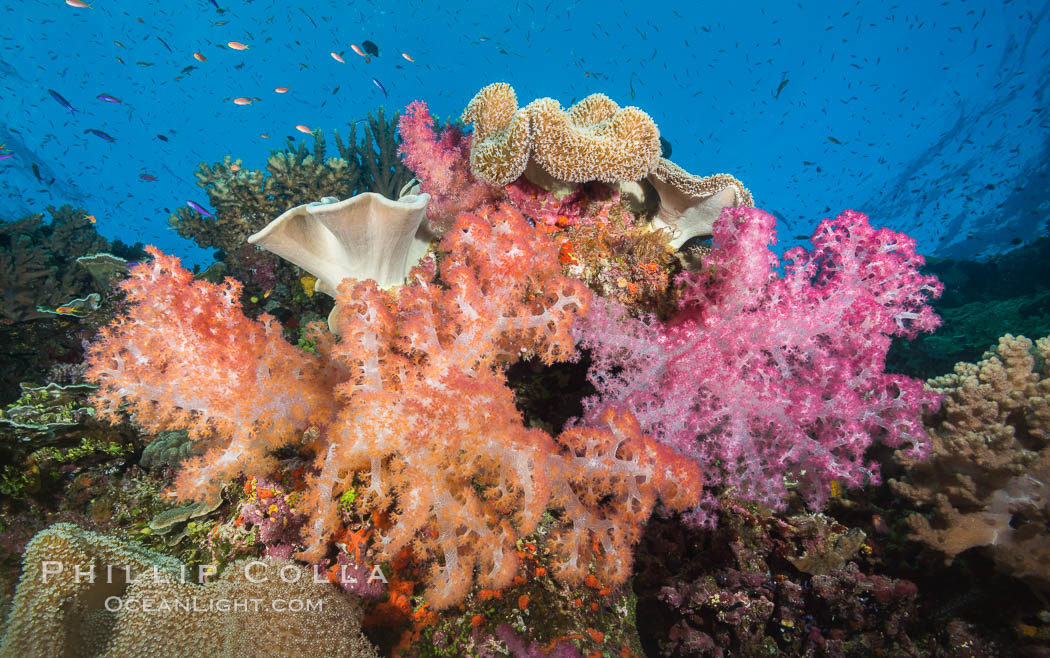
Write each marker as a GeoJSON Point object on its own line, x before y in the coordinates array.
{"type": "Point", "coordinates": [773, 383]}
{"type": "Point", "coordinates": [39, 262]}
{"type": "Point", "coordinates": [987, 480]}
{"type": "Point", "coordinates": [1007, 293]}
{"type": "Point", "coordinates": [245, 200]}
{"type": "Point", "coordinates": [594, 140]}
{"type": "Point", "coordinates": [460, 489]}
{"type": "Point", "coordinates": [738, 591]}
{"type": "Point", "coordinates": [47, 428]}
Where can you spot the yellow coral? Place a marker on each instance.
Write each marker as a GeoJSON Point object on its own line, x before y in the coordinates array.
{"type": "Point", "coordinates": [594, 140]}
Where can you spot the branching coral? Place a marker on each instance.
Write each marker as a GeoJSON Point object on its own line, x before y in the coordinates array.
{"type": "Point", "coordinates": [987, 481]}
{"type": "Point", "coordinates": [245, 200]}
{"type": "Point", "coordinates": [422, 415]}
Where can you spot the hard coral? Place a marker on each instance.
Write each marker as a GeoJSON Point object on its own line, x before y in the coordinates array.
{"type": "Point", "coordinates": [770, 382]}
{"type": "Point", "coordinates": [594, 140]}
{"type": "Point", "coordinates": [246, 199]}
{"type": "Point", "coordinates": [987, 481]}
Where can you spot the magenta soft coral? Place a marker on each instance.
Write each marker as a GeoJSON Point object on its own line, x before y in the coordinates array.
{"type": "Point", "coordinates": [443, 166]}
{"type": "Point", "coordinates": [773, 382]}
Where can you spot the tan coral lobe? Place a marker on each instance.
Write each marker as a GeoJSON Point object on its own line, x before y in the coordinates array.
{"type": "Point", "coordinates": [690, 204]}
{"type": "Point", "coordinates": [594, 140]}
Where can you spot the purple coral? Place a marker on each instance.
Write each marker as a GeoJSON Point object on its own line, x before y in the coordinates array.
{"type": "Point", "coordinates": [774, 381]}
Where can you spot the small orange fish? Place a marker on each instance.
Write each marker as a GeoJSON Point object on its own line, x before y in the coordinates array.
{"type": "Point", "coordinates": [237, 45]}
{"type": "Point", "coordinates": [483, 38]}
{"type": "Point", "coordinates": [264, 136]}
{"type": "Point", "coordinates": [281, 90]}
{"type": "Point", "coordinates": [303, 129]}
{"type": "Point", "coordinates": [65, 309]}
{"type": "Point", "coordinates": [242, 101]}
{"type": "Point", "coordinates": [266, 294]}
{"type": "Point", "coordinates": [120, 44]}
{"type": "Point", "coordinates": [405, 55]}
{"type": "Point", "coordinates": [357, 49]}
{"type": "Point", "coordinates": [90, 218]}
{"type": "Point", "coordinates": [79, 4]}
{"type": "Point", "coordinates": [337, 57]}
{"type": "Point", "coordinates": [199, 57]}
{"type": "Point", "coordinates": [120, 60]}
{"type": "Point", "coordinates": [235, 167]}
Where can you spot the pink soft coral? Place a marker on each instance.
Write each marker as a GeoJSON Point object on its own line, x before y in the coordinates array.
{"type": "Point", "coordinates": [443, 166]}
{"type": "Point", "coordinates": [768, 380]}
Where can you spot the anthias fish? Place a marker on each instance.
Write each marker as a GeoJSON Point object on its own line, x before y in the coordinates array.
{"type": "Point", "coordinates": [100, 134]}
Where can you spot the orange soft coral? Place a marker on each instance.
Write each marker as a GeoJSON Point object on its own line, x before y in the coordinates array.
{"type": "Point", "coordinates": [411, 401]}
{"type": "Point", "coordinates": [185, 356]}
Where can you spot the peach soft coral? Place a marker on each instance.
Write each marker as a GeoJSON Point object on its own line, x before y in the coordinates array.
{"type": "Point", "coordinates": [185, 356]}
{"type": "Point", "coordinates": [409, 405]}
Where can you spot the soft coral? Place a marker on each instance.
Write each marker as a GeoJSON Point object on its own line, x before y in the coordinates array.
{"type": "Point", "coordinates": [409, 406]}
{"type": "Point", "coordinates": [764, 379]}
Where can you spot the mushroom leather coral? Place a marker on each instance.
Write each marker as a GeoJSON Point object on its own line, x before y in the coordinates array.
{"type": "Point", "coordinates": [411, 400]}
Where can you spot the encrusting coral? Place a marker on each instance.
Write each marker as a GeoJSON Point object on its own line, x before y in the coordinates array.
{"type": "Point", "coordinates": [460, 488]}
{"type": "Point", "coordinates": [987, 480]}
{"type": "Point", "coordinates": [594, 140]}
{"type": "Point", "coordinates": [84, 594]}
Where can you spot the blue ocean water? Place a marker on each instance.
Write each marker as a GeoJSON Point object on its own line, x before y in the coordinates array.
{"type": "Point", "coordinates": [930, 117]}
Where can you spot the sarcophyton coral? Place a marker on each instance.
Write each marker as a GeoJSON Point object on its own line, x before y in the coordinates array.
{"type": "Point", "coordinates": [245, 200]}
{"type": "Point", "coordinates": [137, 604]}
{"type": "Point", "coordinates": [987, 481]}
{"type": "Point", "coordinates": [594, 140]}
{"type": "Point", "coordinates": [409, 407]}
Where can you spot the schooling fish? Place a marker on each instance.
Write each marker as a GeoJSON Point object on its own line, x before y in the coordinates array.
{"type": "Point", "coordinates": [381, 87]}
{"type": "Point", "coordinates": [107, 98]}
{"type": "Point", "coordinates": [147, 177]}
{"type": "Point", "coordinates": [99, 133]}
{"type": "Point", "coordinates": [783, 83]}
{"type": "Point", "coordinates": [199, 208]}
{"type": "Point", "coordinates": [61, 101]}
